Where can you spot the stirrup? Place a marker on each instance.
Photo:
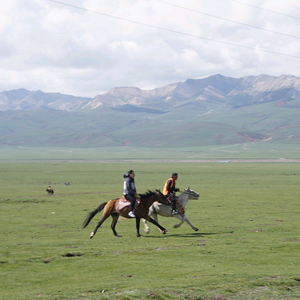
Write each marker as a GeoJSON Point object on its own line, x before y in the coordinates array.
{"type": "Point", "coordinates": [175, 212]}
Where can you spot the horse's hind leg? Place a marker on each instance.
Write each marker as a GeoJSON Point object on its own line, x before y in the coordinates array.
{"type": "Point", "coordinates": [97, 227]}
{"type": "Point", "coordinates": [181, 219]}
{"type": "Point", "coordinates": [147, 228]}
{"type": "Point", "coordinates": [115, 218]}
{"type": "Point", "coordinates": [104, 217]}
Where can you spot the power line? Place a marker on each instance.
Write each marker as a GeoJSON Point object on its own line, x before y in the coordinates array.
{"type": "Point", "coordinates": [175, 31]}
{"type": "Point", "coordinates": [228, 20]}
{"type": "Point", "coordinates": [272, 11]}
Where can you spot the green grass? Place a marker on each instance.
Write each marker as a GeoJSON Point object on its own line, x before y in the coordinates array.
{"type": "Point", "coordinates": [248, 151]}
{"type": "Point", "coordinates": [247, 246]}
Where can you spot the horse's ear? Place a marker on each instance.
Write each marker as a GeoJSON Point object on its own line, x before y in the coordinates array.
{"type": "Point", "coordinates": [188, 188]}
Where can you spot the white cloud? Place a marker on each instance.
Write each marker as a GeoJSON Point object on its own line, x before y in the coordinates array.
{"type": "Point", "coordinates": [128, 46]}
{"type": "Point", "coordinates": [59, 48]}
{"type": "Point", "coordinates": [189, 55]}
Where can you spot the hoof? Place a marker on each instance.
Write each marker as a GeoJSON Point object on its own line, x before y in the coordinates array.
{"type": "Point", "coordinates": [164, 232]}
{"type": "Point", "coordinates": [91, 235]}
{"type": "Point", "coordinates": [118, 236]}
{"type": "Point", "coordinates": [196, 229]}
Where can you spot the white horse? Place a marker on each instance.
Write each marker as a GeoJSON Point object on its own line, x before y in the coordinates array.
{"type": "Point", "coordinates": [166, 210]}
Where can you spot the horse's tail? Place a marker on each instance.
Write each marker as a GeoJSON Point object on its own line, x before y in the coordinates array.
{"type": "Point", "coordinates": [92, 214]}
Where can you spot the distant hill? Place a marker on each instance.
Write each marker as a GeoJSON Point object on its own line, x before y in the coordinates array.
{"type": "Point", "coordinates": [236, 92]}
{"type": "Point", "coordinates": [22, 99]}
{"type": "Point", "coordinates": [218, 89]}
{"type": "Point", "coordinates": [210, 111]}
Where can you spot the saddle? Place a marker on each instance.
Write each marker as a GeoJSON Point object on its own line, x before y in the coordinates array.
{"type": "Point", "coordinates": [123, 202]}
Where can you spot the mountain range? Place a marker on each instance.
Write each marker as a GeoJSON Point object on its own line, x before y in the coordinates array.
{"type": "Point", "coordinates": [209, 111]}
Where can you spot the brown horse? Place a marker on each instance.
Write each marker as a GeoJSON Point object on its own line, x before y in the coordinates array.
{"type": "Point", "coordinates": [142, 211]}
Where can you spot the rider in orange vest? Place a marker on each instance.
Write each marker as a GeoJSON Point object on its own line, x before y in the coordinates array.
{"type": "Point", "coordinates": [169, 191]}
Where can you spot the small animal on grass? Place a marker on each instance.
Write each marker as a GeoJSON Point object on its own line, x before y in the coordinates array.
{"type": "Point", "coordinates": [116, 208]}
{"type": "Point", "coordinates": [166, 210]}
{"type": "Point", "coordinates": [49, 190]}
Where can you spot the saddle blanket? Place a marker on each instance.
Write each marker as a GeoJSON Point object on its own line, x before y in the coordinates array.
{"type": "Point", "coordinates": [180, 208]}
{"type": "Point", "coordinates": [124, 202]}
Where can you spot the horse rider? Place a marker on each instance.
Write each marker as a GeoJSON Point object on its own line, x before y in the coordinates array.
{"type": "Point", "coordinates": [169, 191]}
{"type": "Point", "coordinates": [49, 189]}
{"type": "Point", "coordinates": [129, 191]}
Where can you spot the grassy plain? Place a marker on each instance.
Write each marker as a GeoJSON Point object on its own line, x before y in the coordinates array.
{"type": "Point", "coordinates": [247, 151]}
{"type": "Point", "coordinates": [247, 246]}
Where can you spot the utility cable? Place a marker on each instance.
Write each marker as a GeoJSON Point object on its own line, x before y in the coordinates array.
{"type": "Point", "coordinates": [175, 31]}
{"type": "Point", "coordinates": [228, 20]}
{"type": "Point", "coordinates": [269, 10]}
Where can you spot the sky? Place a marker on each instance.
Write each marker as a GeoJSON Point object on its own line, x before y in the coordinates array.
{"type": "Point", "coordinates": [87, 47]}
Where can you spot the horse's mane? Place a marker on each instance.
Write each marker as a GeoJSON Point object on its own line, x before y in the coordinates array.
{"type": "Point", "coordinates": [147, 194]}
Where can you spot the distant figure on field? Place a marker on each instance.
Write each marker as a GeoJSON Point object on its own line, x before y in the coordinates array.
{"type": "Point", "coordinates": [49, 190]}
{"type": "Point", "coordinates": [129, 191]}
{"type": "Point", "coordinates": [169, 191]}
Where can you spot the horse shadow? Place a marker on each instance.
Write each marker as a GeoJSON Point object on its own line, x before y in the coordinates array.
{"type": "Point", "coordinates": [182, 235]}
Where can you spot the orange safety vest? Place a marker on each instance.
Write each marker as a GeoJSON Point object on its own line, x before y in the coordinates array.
{"type": "Point", "coordinates": [165, 191]}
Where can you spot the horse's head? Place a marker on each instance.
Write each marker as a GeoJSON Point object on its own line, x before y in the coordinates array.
{"type": "Point", "coordinates": [161, 198]}
{"type": "Point", "coordinates": [192, 194]}
{"type": "Point", "coordinates": [155, 196]}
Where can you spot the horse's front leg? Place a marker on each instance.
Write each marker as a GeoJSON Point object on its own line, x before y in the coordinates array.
{"type": "Point", "coordinates": [137, 221]}
{"type": "Point", "coordinates": [156, 220]}
{"type": "Point", "coordinates": [187, 220]}
{"type": "Point", "coordinates": [163, 230]}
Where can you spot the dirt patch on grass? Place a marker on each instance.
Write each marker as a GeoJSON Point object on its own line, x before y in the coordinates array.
{"type": "Point", "coordinates": [72, 254]}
